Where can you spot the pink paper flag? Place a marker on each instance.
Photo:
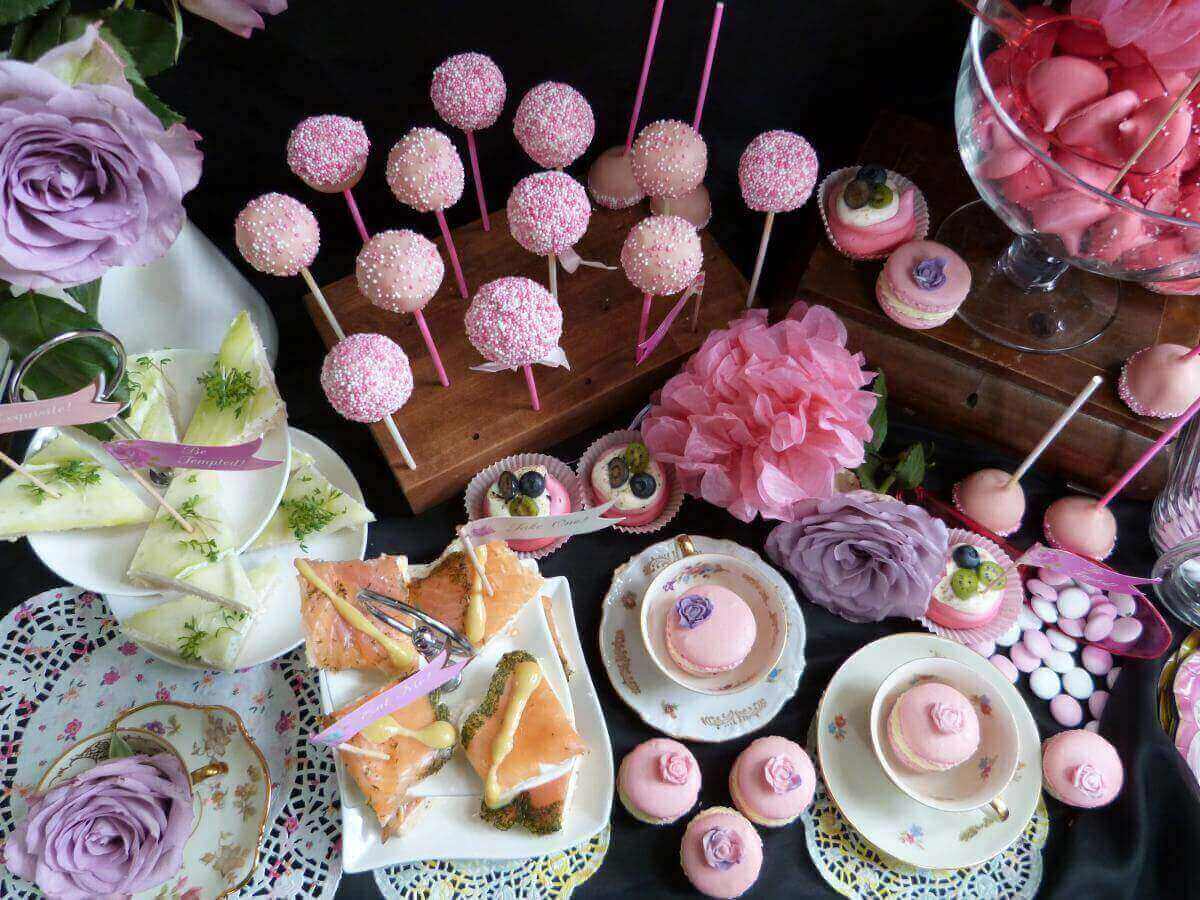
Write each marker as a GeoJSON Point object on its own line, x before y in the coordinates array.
{"type": "Point", "coordinates": [144, 454]}
{"type": "Point", "coordinates": [83, 407]}
{"type": "Point", "coordinates": [509, 528]}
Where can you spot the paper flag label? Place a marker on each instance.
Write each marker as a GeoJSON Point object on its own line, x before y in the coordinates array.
{"type": "Point", "coordinates": [509, 528]}
{"type": "Point", "coordinates": [695, 289]}
{"type": "Point", "coordinates": [1067, 563]}
{"type": "Point", "coordinates": [143, 454]}
{"type": "Point", "coordinates": [556, 359]}
{"type": "Point", "coordinates": [80, 408]}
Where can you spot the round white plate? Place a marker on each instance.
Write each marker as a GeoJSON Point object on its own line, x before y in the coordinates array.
{"type": "Point", "coordinates": [884, 815]}
{"type": "Point", "coordinates": [278, 628]}
{"type": "Point", "coordinates": [97, 558]}
{"type": "Point", "coordinates": [665, 705]}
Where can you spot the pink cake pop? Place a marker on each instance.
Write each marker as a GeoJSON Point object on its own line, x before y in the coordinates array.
{"type": "Point", "coordinates": [777, 173]}
{"type": "Point", "coordinates": [401, 271]}
{"type": "Point", "coordinates": [424, 172]}
{"type": "Point", "coordinates": [1081, 525]}
{"type": "Point", "coordinates": [515, 322]}
{"type": "Point", "coordinates": [554, 124]}
{"type": "Point", "coordinates": [669, 159]}
{"type": "Point", "coordinates": [1161, 381]}
{"type": "Point", "coordinates": [696, 207]}
{"type": "Point", "coordinates": [661, 256]}
{"type": "Point", "coordinates": [329, 154]}
{"type": "Point", "coordinates": [993, 499]}
{"type": "Point", "coordinates": [611, 182]}
{"type": "Point", "coordinates": [468, 91]}
{"type": "Point", "coordinates": [367, 378]}
{"type": "Point", "coordinates": [548, 213]}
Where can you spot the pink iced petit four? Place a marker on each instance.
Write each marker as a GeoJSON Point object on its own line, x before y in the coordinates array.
{"type": "Point", "coordinates": [772, 781]}
{"type": "Point", "coordinates": [721, 853]}
{"type": "Point", "coordinates": [659, 781]}
{"type": "Point", "coordinates": [1160, 381]}
{"type": "Point", "coordinates": [932, 728]}
{"type": "Point", "coordinates": [635, 482]}
{"type": "Point", "coordinates": [971, 589]}
{"type": "Point", "coordinates": [868, 214]}
{"type": "Point", "coordinates": [922, 284]}
{"type": "Point", "coordinates": [1079, 525]}
{"type": "Point", "coordinates": [1080, 768]}
{"type": "Point", "coordinates": [527, 491]}
{"type": "Point", "coordinates": [710, 630]}
{"type": "Point", "coordinates": [991, 498]}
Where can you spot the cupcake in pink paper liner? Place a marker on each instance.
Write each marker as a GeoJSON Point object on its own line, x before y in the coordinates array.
{"type": "Point", "coordinates": [619, 467]}
{"type": "Point", "coordinates": [978, 595]}
{"type": "Point", "coordinates": [528, 484]}
{"type": "Point", "coordinates": [763, 417]}
{"type": "Point", "coordinates": [869, 211]}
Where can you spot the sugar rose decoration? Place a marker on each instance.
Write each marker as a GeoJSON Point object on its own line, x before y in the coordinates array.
{"type": "Point", "coordinates": [693, 609]}
{"type": "Point", "coordinates": [863, 556]}
{"type": "Point", "coordinates": [947, 718]}
{"type": "Point", "coordinates": [722, 848]}
{"type": "Point", "coordinates": [763, 417]}
{"type": "Point", "coordinates": [781, 775]}
{"type": "Point", "coordinates": [1087, 778]}
{"type": "Point", "coordinates": [674, 768]}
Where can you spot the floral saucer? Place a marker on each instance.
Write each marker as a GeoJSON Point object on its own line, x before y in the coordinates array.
{"type": "Point", "coordinates": [232, 809]}
{"type": "Point", "coordinates": [662, 703]}
{"type": "Point", "coordinates": [884, 815]}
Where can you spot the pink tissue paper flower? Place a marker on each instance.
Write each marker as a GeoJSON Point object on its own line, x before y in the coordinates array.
{"type": "Point", "coordinates": [763, 416]}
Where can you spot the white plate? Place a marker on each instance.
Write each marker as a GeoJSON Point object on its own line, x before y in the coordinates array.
{"type": "Point", "coordinates": [97, 558]}
{"type": "Point", "coordinates": [888, 818]}
{"type": "Point", "coordinates": [450, 826]}
{"type": "Point", "coordinates": [665, 705]}
{"type": "Point", "coordinates": [278, 628]}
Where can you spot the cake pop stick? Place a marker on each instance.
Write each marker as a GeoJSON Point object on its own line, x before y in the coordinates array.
{"type": "Point", "coordinates": [1154, 132]}
{"type": "Point", "coordinates": [367, 378]}
{"type": "Point", "coordinates": [1191, 354]}
{"type": "Point", "coordinates": [322, 302]}
{"type": "Point", "coordinates": [362, 233]}
{"type": "Point", "coordinates": [547, 213]}
{"type": "Point", "coordinates": [661, 256]}
{"type": "Point", "coordinates": [708, 63]}
{"type": "Point", "coordinates": [553, 260]}
{"type": "Point", "coordinates": [458, 273]}
{"type": "Point", "coordinates": [760, 259]}
{"type": "Point", "coordinates": [645, 76]}
{"type": "Point", "coordinates": [1164, 439]}
{"type": "Point", "coordinates": [329, 154]}
{"type": "Point", "coordinates": [532, 386]}
{"type": "Point", "coordinates": [1059, 424]}
{"type": "Point", "coordinates": [473, 156]}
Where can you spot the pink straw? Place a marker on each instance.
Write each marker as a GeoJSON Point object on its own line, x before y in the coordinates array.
{"type": "Point", "coordinates": [645, 322]}
{"type": "Point", "coordinates": [1150, 453]}
{"type": "Point", "coordinates": [356, 215]}
{"type": "Point", "coordinates": [529, 383]}
{"type": "Point", "coordinates": [641, 88]}
{"type": "Point", "coordinates": [458, 275]}
{"type": "Point", "coordinates": [487, 226]}
{"type": "Point", "coordinates": [1192, 353]}
{"type": "Point", "coordinates": [433, 352]}
{"type": "Point", "coordinates": [708, 63]}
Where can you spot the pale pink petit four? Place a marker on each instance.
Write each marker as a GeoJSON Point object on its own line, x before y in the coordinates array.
{"type": "Point", "coordinates": [721, 853]}
{"type": "Point", "coordinates": [1082, 769]}
{"type": "Point", "coordinates": [710, 630]}
{"type": "Point", "coordinates": [932, 728]}
{"type": "Point", "coordinates": [659, 781]}
{"type": "Point", "coordinates": [772, 781]}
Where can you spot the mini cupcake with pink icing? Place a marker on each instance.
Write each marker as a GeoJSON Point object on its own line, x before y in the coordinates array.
{"type": "Point", "coordinates": [772, 781]}
{"type": "Point", "coordinates": [710, 630]}
{"type": "Point", "coordinates": [870, 211]}
{"type": "Point", "coordinates": [970, 592]}
{"type": "Point", "coordinates": [527, 491]}
{"type": "Point", "coordinates": [659, 781]}
{"type": "Point", "coordinates": [932, 728]}
{"type": "Point", "coordinates": [721, 853]}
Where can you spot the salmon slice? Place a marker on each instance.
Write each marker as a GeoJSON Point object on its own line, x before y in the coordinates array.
{"type": "Point", "coordinates": [536, 776]}
{"type": "Point", "coordinates": [333, 642]}
{"type": "Point", "coordinates": [386, 784]}
{"type": "Point", "coordinates": [444, 592]}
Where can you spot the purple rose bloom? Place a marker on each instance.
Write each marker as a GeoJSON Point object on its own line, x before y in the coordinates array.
{"type": "Point", "coordinates": [863, 556]}
{"type": "Point", "coordinates": [693, 609]}
{"type": "Point", "coordinates": [89, 178]}
{"type": "Point", "coordinates": [239, 16]}
{"type": "Point", "coordinates": [117, 829]}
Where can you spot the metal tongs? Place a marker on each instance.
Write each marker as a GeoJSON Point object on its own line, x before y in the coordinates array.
{"type": "Point", "coordinates": [431, 636]}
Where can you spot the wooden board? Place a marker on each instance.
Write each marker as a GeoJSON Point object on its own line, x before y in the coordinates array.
{"type": "Point", "coordinates": [953, 379]}
{"type": "Point", "coordinates": [454, 432]}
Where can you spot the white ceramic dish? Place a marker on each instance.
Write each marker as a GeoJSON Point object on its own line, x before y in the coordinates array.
{"type": "Point", "coordinates": [97, 558]}
{"type": "Point", "coordinates": [278, 629]}
{"type": "Point", "coordinates": [450, 828]}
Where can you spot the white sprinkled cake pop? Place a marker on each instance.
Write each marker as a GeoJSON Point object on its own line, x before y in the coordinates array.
{"type": "Point", "coordinates": [514, 321]}
{"type": "Point", "coordinates": [662, 254]}
{"type": "Point", "coordinates": [367, 378]}
{"type": "Point", "coordinates": [399, 270]}
{"type": "Point", "coordinates": [669, 158]}
{"type": "Point", "coordinates": [548, 212]}
{"type": "Point", "coordinates": [777, 172]}
{"type": "Point", "coordinates": [695, 206]}
{"type": "Point", "coordinates": [424, 170]}
{"type": "Point", "coordinates": [611, 182]}
{"type": "Point", "coordinates": [328, 153]}
{"type": "Point", "coordinates": [277, 234]}
{"type": "Point", "coordinates": [554, 124]}
{"type": "Point", "coordinates": [468, 91]}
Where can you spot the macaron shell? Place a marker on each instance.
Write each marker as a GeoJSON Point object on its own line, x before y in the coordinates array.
{"type": "Point", "coordinates": [644, 792]}
{"type": "Point", "coordinates": [946, 298]}
{"type": "Point", "coordinates": [719, 643]}
{"type": "Point", "coordinates": [755, 798]}
{"type": "Point", "coordinates": [901, 313]}
{"type": "Point", "coordinates": [708, 880]}
{"type": "Point", "coordinates": [1065, 751]}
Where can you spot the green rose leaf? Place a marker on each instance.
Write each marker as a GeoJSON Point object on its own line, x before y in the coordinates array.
{"type": "Point", "coordinates": [879, 417]}
{"type": "Point", "coordinates": [87, 296]}
{"type": "Point", "coordinates": [118, 747]}
{"type": "Point", "coordinates": [35, 36]}
{"type": "Point", "coordinates": [910, 470]}
{"type": "Point", "coordinates": [149, 39]}
{"type": "Point", "coordinates": [15, 10]}
{"type": "Point", "coordinates": [150, 100]}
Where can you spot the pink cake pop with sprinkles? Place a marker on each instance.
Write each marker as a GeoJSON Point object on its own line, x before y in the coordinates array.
{"type": "Point", "coordinates": [669, 159]}
{"type": "Point", "coordinates": [367, 378]}
{"type": "Point", "coordinates": [777, 174]}
{"type": "Point", "coordinates": [401, 271]}
{"type": "Point", "coordinates": [661, 256]}
{"type": "Point", "coordinates": [548, 213]}
{"type": "Point", "coordinates": [468, 92]}
{"type": "Point", "coordinates": [425, 172]}
{"type": "Point", "coordinates": [554, 124]}
{"type": "Point", "coordinates": [329, 154]}
{"type": "Point", "coordinates": [515, 322]}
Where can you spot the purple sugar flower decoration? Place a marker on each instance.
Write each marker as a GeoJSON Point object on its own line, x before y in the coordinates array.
{"type": "Point", "coordinates": [930, 274]}
{"type": "Point", "coordinates": [693, 609]}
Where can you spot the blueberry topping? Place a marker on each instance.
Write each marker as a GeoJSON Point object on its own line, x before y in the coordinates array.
{"type": "Point", "coordinates": [857, 194]}
{"type": "Point", "coordinates": [618, 472]}
{"type": "Point", "coordinates": [872, 175]}
{"type": "Point", "coordinates": [643, 485]}
{"type": "Point", "coordinates": [532, 484]}
{"type": "Point", "coordinates": [637, 457]}
{"type": "Point", "coordinates": [965, 556]}
{"type": "Point", "coordinates": [506, 485]}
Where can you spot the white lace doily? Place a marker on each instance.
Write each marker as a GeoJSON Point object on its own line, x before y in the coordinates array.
{"type": "Point", "coordinates": [66, 671]}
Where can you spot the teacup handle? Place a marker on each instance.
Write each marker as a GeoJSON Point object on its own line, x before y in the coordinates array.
{"type": "Point", "coordinates": [686, 547]}
{"type": "Point", "coordinates": [1000, 808]}
{"type": "Point", "coordinates": [211, 770]}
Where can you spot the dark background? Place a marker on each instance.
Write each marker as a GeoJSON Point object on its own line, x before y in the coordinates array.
{"type": "Point", "coordinates": [823, 69]}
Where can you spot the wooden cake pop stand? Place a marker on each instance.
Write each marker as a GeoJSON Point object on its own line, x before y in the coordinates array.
{"type": "Point", "coordinates": [456, 431]}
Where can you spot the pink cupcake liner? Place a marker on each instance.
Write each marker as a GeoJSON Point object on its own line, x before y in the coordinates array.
{"type": "Point", "coordinates": [477, 490]}
{"type": "Point", "coordinates": [1010, 605]}
{"type": "Point", "coordinates": [920, 210]}
{"type": "Point", "coordinates": [954, 496]}
{"type": "Point", "coordinates": [583, 468]}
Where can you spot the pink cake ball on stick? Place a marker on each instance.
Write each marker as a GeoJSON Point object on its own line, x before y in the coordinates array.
{"type": "Point", "coordinates": [554, 124]}
{"type": "Point", "coordinates": [367, 378]}
{"type": "Point", "coordinates": [468, 92]}
{"type": "Point", "coordinates": [1161, 381]}
{"type": "Point", "coordinates": [548, 213]}
{"type": "Point", "coordinates": [401, 271]}
{"type": "Point", "coordinates": [777, 173]}
{"type": "Point", "coordinates": [425, 172]}
{"type": "Point", "coordinates": [669, 159]}
{"type": "Point", "coordinates": [695, 206]}
{"type": "Point", "coordinates": [329, 154]}
{"type": "Point", "coordinates": [661, 256]}
{"type": "Point", "coordinates": [515, 322]}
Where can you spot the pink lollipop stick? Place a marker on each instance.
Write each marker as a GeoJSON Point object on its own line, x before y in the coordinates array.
{"type": "Point", "coordinates": [487, 226]}
{"type": "Point", "coordinates": [708, 63]}
{"type": "Point", "coordinates": [458, 275]}
{"type": "Point", "coordinates": [1150, 453]}
{"type": "Point", "coordinates": [645, 320]}
{"type": "Point", "coordinates": [356, 215]}
{"type": "Point", "coordinates": [532, 385]}
{"type": "Point", "coordinates": [641, 88]}
{"type": "Point", "coordinates": [432, 347]}
{"type": "Point", "coordinates": [1192, 353]}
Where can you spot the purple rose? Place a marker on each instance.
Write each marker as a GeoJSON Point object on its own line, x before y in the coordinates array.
{"type": "Point", "coordinates": [239, 16]}
{"type": "Point", "coordinates": [781, 775]}
{"type": "Point", "coordinates": [89, 178]}
{"type": "Point", "coordinates": [863, 556]}
{"type": "Point", "coordinates": [117, 829]}
{"type": "Point", "coordinates": [722, 848]}
{"type": "Point", "coordinates": [930, 274]}
{"type": "Point", "coordinates": [947, 718]}
{"type": "Point", "coordinates": [1087, 778]}
{"type": "Point", "coordinates": [693, 609]}
{"type": "Point", "coordinates": [674, 768]}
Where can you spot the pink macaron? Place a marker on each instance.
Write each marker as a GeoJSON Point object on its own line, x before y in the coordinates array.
{"type": "Point", "coordinates": [932, 728]}
{"type": "Point", "coordinates": [922, 285]}
{"type": "Point", "coordinates": [659, 781]}
{"type": "Point", "coordinates": [721, 853]}
{"type": "Point", "coordinates": [1082, 769]}
{"type": "Point", "coordinates": [710, 630]}
{"type": "Point", "coordinates": [772, 781]}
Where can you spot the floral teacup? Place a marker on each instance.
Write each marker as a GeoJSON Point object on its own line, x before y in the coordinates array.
{"type": "Point", "coordinates": [92, 750]}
